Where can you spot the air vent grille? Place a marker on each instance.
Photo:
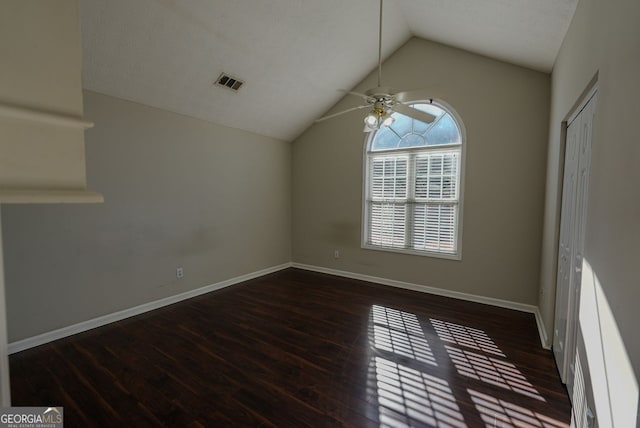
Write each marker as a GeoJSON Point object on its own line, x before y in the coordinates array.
{"type": "Point", "coordinates": [229, 82]}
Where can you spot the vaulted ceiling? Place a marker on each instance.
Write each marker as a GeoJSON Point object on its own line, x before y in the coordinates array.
{"type": "Point", "coordinates": [292, 54]}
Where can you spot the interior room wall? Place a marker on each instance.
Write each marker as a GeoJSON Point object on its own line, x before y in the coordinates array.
{"type": "Point", "coordinates": [603, 39]}
{"type": "Point", "coordinates": [178, 192]}
{"type": "Point", "coordinates": [505, 110]}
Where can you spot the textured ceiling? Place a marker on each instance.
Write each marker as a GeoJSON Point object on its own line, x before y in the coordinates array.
{"type": "Point", "coordinates": [522, 32]}
{"type": "Point", "coordinates": [292, 54]}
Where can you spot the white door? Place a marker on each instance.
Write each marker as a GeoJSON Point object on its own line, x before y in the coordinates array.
{"type": "Point", "coordinates": [571, 240]}
{"type": "Point", "coordinates": [565, 247]}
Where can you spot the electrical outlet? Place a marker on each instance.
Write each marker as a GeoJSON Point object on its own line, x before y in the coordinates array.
{"type": "Point", "coordinates": [179, 272]}
{"type": "Point", "coordinates": [336, 254]}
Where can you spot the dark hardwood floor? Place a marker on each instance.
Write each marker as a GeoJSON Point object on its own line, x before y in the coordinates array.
{"type": "Point", "coordinates": [295, 349]}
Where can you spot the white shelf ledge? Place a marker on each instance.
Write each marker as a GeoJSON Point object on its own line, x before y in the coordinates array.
{"type": "Point", "coordinates": [36, 196]}
{"type": "Point", "coordinates": [43, 116]}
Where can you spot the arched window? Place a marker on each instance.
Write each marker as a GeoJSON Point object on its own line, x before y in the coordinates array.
{"type": "Point", "coordinates": [413, 184]}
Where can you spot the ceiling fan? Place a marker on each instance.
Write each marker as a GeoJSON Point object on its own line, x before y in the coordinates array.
{"type": "Point", "coordinates": [382, 100]}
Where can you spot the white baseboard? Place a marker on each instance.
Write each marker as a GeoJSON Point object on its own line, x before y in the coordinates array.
{"type": "Point", "coordinates": [41, 339]}
{"type": "Point", "coordinates": [542, 330]}
{"type": "Point", "coordinates": [522, 307]}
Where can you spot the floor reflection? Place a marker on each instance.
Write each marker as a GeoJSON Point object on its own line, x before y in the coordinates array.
{"type": "Point", "coordinates": [405, 385]}
{"type": "Point", "coordinates": [407, 397]}
{"type": "Point", "coordinates": [491, 370]}
{"type": "Point", "coordinates": [465, 336]}
{"type": "Point", "coordinates": [500, 413]}
{"type": "Point", "coordinates": [399, 332]}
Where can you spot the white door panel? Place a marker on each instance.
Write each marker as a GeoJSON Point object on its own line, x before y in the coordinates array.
{"type": "Point", "coordinates": [571, 240]}
{"type": "Point", "coordinates": [565, 247]}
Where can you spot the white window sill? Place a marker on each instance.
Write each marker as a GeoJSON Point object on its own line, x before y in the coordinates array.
{"type": "Point", "coordinates": [457, 256]}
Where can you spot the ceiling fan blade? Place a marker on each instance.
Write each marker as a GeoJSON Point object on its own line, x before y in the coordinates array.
{"type": "Point", "coordinates": [413, 113]}
{"type": "Point", "coordinates": [357, 94]}
{"type": "Point", "coordinates": [407, 96]}
{"type": "Point", "coordinates": [417, 95]}
{"type": "Point", "coordinates": [341, 112]}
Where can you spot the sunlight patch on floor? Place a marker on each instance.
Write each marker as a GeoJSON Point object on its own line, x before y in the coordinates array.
{"type": "Point", "coordinates": [407, 397]}
{"type": "Point", "coordinates": [491, 370]}
{"type": "Point", "coordinates": [465, 336]}
{"type": "Point", "coordinates": [404, 384]}
{"type": "Point", "coordinates": [400, 332]}
{"type": "Point", "coordinates": [503, 414]}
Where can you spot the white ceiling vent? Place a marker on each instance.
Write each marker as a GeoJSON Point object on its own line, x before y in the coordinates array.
{"type": "Point", "coordinates": [229, 82]}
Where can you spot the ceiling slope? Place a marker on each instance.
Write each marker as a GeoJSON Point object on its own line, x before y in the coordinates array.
{"type": "Point", "coordinates": [523, 32]}
{"type": "Point", "coordinates": [293, 55]}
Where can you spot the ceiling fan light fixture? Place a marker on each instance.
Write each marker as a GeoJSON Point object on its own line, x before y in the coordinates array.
{"type": "Point", "coordinates": [378, 117]}
{"type": "Point", "coordinates": [372, 119]}
{"type": "Point", "coordinates": [387, 120]}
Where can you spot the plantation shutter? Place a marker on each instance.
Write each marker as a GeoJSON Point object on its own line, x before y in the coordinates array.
{"type": "Point", "coordinates": [388, 201]}
{"type": "Point", "coordinates": [412, 201]}
{"type": "Point", "coordinates": [435, 211]}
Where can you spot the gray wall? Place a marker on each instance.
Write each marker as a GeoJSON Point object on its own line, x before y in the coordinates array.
{"type": "Point", "coordinates": [604, 38]}
{"type": "Point", "coordinates": [505, 111]}
{"type": "Point", "coordinates": [178, 192]}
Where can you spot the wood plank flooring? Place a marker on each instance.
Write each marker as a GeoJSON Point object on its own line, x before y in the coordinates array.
{"type": "Point", "coordinates": [296, 349]}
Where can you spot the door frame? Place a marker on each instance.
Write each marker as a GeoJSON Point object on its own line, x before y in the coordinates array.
{"type": "Point", "coordinates": [5, 386]}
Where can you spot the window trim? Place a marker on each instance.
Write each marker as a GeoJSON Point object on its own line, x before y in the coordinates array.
{"type": "Point", "coordinates": [365, 175]}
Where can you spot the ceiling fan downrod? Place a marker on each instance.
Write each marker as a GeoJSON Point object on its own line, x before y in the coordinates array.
{"type": "Point", "coordinates": [380, 47]}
